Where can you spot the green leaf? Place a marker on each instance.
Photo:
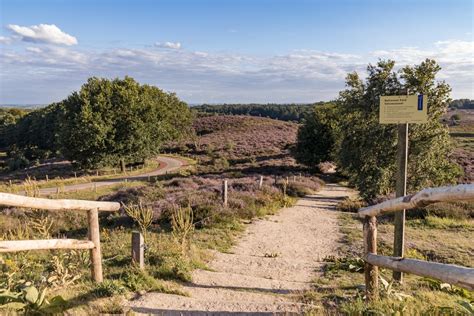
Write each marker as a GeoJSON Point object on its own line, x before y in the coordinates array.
{"type": "Point", "coordinates": [31, 294]}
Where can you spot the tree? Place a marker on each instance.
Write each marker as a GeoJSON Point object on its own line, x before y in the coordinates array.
{"type": "Point", "coordinates": [317, 136]}
{"type": "Point", "coordinates": [113, 121]}
{"type": "Point", "coordinates": [34, 135]}
{"type": "Point", "coordinates": [366, 151]}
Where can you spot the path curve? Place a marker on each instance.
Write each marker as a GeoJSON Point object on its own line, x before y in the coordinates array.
{"type": "Point", "coordinates": [275, 260]}
{"type": "Point", "coordinates": [167, 164]}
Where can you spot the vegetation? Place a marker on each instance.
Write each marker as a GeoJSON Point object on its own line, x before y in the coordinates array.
{"type": "Point", "coordinates": [284, 112]}
{"type": "Point", "coordinates": [365, 150]}
{"type": "Point", "coordinates": [462, 104]}
{"type": "Point", "coordinates": [340, 289]}
{"type": "Point", "coordinates": [181, 215]}
{"type": "Point", "coordinates": [317, 135]}
{"type": "Point", "coordinates": [106, 122]}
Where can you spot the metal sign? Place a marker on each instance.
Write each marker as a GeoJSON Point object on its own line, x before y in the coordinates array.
{"type": "Point", "coordinates": [402, 109]}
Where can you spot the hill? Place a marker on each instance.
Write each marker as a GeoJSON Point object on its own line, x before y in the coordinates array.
{"type": "Point", "coordinates": [244, 143]}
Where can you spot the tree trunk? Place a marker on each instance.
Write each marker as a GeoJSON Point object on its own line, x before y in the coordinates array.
{"type": "Point", "coordinates": [122, 165]}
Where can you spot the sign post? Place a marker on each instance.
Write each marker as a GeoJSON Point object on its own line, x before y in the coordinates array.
{"type": "Point", "coordinates": [401, 110]}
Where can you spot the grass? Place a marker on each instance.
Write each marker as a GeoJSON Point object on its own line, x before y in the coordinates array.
{"type": "Point", "coordinates": [168, 262]}
{"type": "Point", "coordinates": [446, 240]}
{"type": "Point", "coordinates": [18, 185]}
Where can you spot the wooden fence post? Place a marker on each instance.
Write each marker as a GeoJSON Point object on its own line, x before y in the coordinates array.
{"type": "Point", "coordinates": [370, 246]}
{"type": "Point", "coordinates": [47, 178]}
{"type": "Point", "coordinates": [260, 183]}
{"type": "Point", "coordinates": [224, 193]}
{"type": "Point", "coordinates": [138, 249]}
{"type": "Point", "coordinates": [401, 190]}
{"type": "Point", "coordinates": [95, 253]}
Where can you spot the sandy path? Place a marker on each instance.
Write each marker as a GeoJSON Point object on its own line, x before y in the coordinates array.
{"type": "Point", "coordinates": [167, 164]}
{"type": "Point", "coordinates": [247, 280]}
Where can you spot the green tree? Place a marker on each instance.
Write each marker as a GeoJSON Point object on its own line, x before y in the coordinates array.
{"type": "Point", "coordinates": [317, 135]}
{"type": "Point", "coordinates": [34, 135]}
{"type": "Point", "coordinates": [109, 121]}
{"type": "Point", "coordinates": [366, 151]}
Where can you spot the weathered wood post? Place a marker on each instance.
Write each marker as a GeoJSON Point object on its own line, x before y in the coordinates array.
{"type": "Point", "coordinates": [138, 249]}
{"type": "Point", "coordinates": [75, 175]}
{"type": "Point", "coordinates": [47, 178]}
{"type": "Point", "coordinates": [260, 183]}
{"type": "Point", "coordinates": [370, 246]}
{"type": "Point", "coordinates": [97, 173]}
{"type": "Point", "coordinates": [401, 190]}
{"type": "Point", "coordinates": [224, 193]}
{"type": "Point", "coordinates": [95, 253]}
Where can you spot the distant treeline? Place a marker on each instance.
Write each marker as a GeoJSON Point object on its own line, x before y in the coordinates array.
{"type": "Point", "coordinates": [462, 104]}
{"type": "Point", "coordinates": [284, 112]}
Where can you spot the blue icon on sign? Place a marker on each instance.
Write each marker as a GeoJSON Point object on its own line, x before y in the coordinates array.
{"type": "Point", "coordinates": [420, 102]}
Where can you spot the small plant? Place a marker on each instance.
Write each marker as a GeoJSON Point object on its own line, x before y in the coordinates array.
{"type": "Point", "coordinates": [64, 270]}
{"type": "Point", "coordinates": [351, 205]}
{"type": "Point", "coordinates": [346, 264]}
{"type": "Point", "coordinates": [41, 223]}
{"type": "Point", "coordinates": [31, 301]}
{"type": "Point", "coordinates": [30, 187]}
{"type": "Point", "coordinates": [140, 214]}
{"type": "Point", "coordinates": [108, 288]}
{"type": "Point", "coordinates": [387, 290]}
{"type": "Point", "coordinates": [183, 226]}
{"type": "Point", "coordinates": [271, 254]}
{"type": "Point", "coordinates": [136, 279]}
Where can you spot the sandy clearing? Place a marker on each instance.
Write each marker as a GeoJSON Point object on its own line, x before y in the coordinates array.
{"type": "Point", "coordinates": [247, 280]}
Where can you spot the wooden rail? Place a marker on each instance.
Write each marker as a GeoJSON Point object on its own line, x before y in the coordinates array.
{"type": "Point", "coordinates": [453, 274]}
{"type": "Point", "coordinates": [93, 242]}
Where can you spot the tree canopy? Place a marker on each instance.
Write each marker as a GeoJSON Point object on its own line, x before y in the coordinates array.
{"type": "Point", "coordinates": [105, 122]}
{"type": "Point", "coordinates": [365, 150]}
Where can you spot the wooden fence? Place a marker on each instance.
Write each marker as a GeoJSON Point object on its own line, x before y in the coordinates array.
{"type": "Point", "coordinates": [93, 242]}
{"type": "Point", "coordinates": [449, 273]}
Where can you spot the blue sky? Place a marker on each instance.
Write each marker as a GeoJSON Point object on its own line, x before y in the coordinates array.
{"type": "Point", "coordinates": [228, 50]}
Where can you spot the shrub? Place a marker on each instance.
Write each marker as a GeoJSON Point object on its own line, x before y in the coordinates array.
{"type": "Point", "coordinates": [350, 205]}
{"type": "Point", "coordinates": [108, 288]}
{"type": "Point", "coordinates": [136, 279]}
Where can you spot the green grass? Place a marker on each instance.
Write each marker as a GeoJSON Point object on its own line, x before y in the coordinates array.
{"type": "Point", "coordinates": [167, 262]}
{"type": "Point", "coordinates": [18, 185]}
{"type": "Point", "coordinates": [446, 240]}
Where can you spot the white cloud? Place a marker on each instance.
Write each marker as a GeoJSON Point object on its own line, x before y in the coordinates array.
{"type": "Point", "coordinates": [34, 49]}
{"type": "Point", "coordinates": [43, 33]}
{"type": "Point", "coordinates": [170, 45]}
{"type": "Point", "coordinates": [5, 40]}
{"type": "Point", "coordinates": [197, 76]}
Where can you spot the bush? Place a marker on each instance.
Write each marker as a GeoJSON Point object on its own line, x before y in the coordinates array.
{"type": "Point", "coordinates": [139, 280]}
{"type": "Point", "coordinates": [350, 205]}
{"type": "Point", "coordinates": [108, 288]}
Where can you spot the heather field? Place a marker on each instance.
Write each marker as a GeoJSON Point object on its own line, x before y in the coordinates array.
{"type": "Point", "coordinates": [244, 144]}
{"type": "Point", "coordinates": [462, 132]}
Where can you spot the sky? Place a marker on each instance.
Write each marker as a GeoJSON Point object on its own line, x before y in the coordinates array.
{"type": "Point", "coordinates": [233, 51]}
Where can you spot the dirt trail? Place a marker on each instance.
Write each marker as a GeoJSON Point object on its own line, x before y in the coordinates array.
{"type": "Point", "coordinates": [274, 261]}
{"type": "Point", "coordinates": [167, 164]}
